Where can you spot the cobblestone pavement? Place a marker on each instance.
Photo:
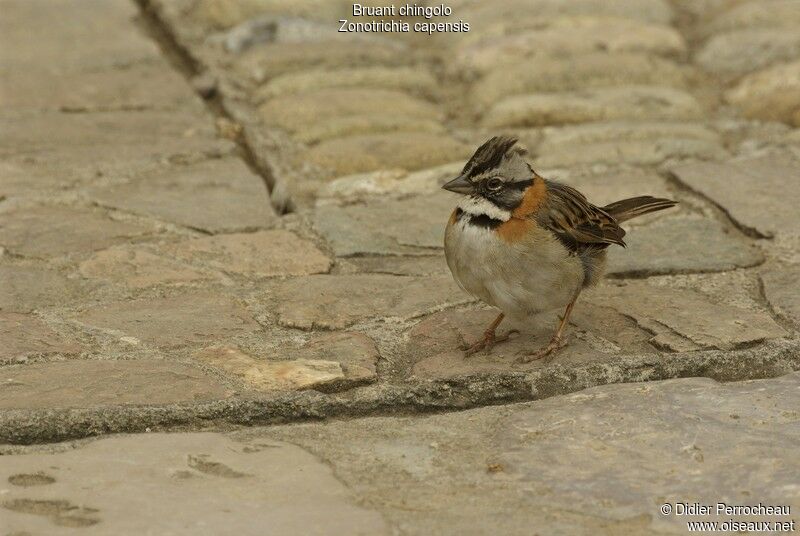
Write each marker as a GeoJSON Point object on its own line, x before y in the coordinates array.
{"type": "Point", "coordinates": [601, 461]}
{"type": "Point", "coordinates": [220, 212]}
{"type": "Point", "coordinates": [217, 213]}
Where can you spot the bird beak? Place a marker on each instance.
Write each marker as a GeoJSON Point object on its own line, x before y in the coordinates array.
{"type": "Point", "coordinates": [459, 185]}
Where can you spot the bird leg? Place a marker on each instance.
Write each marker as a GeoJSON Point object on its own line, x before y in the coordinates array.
{"type": "Point", "coordinates": [556, 342]}
{"type": "Point", "coordinates": [489, 338]}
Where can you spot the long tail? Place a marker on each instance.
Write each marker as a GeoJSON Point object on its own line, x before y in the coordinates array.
{"type": "Point", "coordinates": [636, 206]}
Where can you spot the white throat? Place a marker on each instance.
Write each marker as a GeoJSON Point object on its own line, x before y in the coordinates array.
{"type": "Point", "coordinates": [478, 206]}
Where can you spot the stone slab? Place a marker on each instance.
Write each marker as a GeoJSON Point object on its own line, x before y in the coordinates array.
{"type": "Point", "coordinates": [405, 150]}
{"type": "Point", "coordinates": [180, 484]}
{"type": "Point", "coordinates": [365, 229]}
{"type": "Point", "coordinates": [772, 94]}
{"type": "Point", "coordinates": [326, 362]}
{"type": "Point", "coordinates": [763, 14]}
{"type": "Point", "coordinates": [113, 143]}
{"type": "Point", "coordinates": [119, 42]}
{"type": "Point", "coordinates": [193, 317]}
{"type": "Point", "coordinates": [336, 302]}
{"type": "Point", "coordinates": [574, 73]}
{"type": "Point", "coordinates": [274, 59]}
{"type": "Point", "coordinates": [683, 245]}
{"type": "Point", "coordinates": [780, 282]}
{"type": "Point", "coordinates": [215, 195]}
{"type": "Point", "coordinates": [29, 231]}
{"type": "Point", "coordinates": [739, 52]}
{"type": "Point", "coordinates": [434, 346]}
{"type": "Point", "coordinates": [626, 141]}
{"type": "Point", "coordinates": [26, 287]}
{"type": "Point", "coordinates": [566, 36]}
{"type": "Point", "coordinates": [600, 461]}
{"type": "Point", "coordinates": [598, 104]}
{"type": "Point", "coordinates": [296, 112]}
{"type": "Point", "coordinates": [407, 79]}
{"type": "Point", "coordinates": [684, 319]}
{"type": "Point", "coordinates": [138, 267]}
{"type": "Point", "coordinates": [25, 335]}
{"type": "Point", "coordinates": [361, 188]}
{"type": "Point", "coordinates": [759, 193]}
{"type": "Point", "coordinates": [124, 88]}
{"type": "Point", "coordinates": [259, 254]}
{"type": "Point", "coordinates": [519, 12]}
{"type": "Point", "coordinates": [266, 375]}
{"type": "Point", "coordinates": [84, 384]}
{"type": "Point", "coordinates": [405, 265]}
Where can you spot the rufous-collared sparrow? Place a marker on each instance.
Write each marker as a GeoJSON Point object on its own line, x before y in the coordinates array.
{"type": "Point", "coordinates": [525, 244]}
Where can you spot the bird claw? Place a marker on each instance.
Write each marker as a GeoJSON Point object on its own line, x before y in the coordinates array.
{"type": "Point", "coordinates": [487, 343]}
{"type": "Point", "coordinates": [546, 353]}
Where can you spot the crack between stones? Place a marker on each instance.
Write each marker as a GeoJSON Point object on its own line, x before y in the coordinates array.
{"type": "Point", "coordinates": [410, 398]}
{"type": "Point", "coordinates": [750, 232]}
{"type": "Point", "coordinates": [189, 67]}
{"type": "Point", "coordinates": [776, 316]}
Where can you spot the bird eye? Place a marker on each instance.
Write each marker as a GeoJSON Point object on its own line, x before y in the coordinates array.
{"type": "Point", "coordinates": [494, 183]}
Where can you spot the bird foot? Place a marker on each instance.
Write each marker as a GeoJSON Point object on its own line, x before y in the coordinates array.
{"type": "Point", "coordinates": [486, 343]}
{"type": "Point", "coordinates": [546, 353]}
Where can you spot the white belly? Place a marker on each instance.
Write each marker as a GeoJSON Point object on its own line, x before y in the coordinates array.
{"type": "Point", "coordinates": [521, 279]}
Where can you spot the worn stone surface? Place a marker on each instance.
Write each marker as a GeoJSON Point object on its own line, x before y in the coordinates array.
{"type": "Point", "coordinates": [114, 143]}
{"type": "Point", "coordinates": [762, 14]}
{"type": "Point", "coordinates": [343, 307]}
{"type": "Point", "coordinates": [574, 73]}
{"type": "Point", "coordinates": [569, 36]}
{"type": "Point", "coordinates": [632, 102]}
{"type": "Point", "coordinates": [329, 362]}
{"type": "Point", "coordinates": [201, 482]}
{"type": "Point", "coordinates": [739, 52]}
{"type": "Point", "coordinates": [264, 62]}
{"type": "Point", "coordinates": [521, 11]}
{"type": "Point", "coordinates": [259, 254]}
{"type": "Point", "coordinates": [29, 231]}
{"type": "Point", "coordinates": [696, 321]}
{"type": "Point", "coordinates": [597, 462]}
{"type": "Point", "coordinates": [213, 195]}
{"type": "Point", "coordinates": [354, 125]}
{"type": "Point", "coordinates": [780, 288]}
{"type": "Point", "coordinates": [336, 302]}
{"type": "Point", "coordinates": [398, 78]}
{"type": "Point", "coordinates": [296, 112]}
{"type": "Point", "coordinates": [406, 265]}
{"type": "Point", "coordinates": [626, 141]}
{"type": "Point", "coordinates": [226, 13]}
{"type": "Point", "coordinates": [364, 229]}
{"type": "Point", "coordinates": [406, 150]}
{"type": "Point", "coordinates": [170, 322]}
{"type": "Point", "coordinates": [120, 41]}
{"type": "Point", "coordinates": [386, 184]}
{"type": "Point", "coordinates": [137, 267]}
{"type": "Point", "coordinates": [119, 88]}
{"type": "Point", "coordinates": [265, 375]}
{"type": "Point", "coordinates": [772, 94]}
{"type": "Point", "coordinates": [355, 352]}
{"type": "Point", "coordinates": [676, 245]}
{"type": "Point", "coordinates": [25, 287]}
{"type": "Point", "coordinates": [25, 335]}
{"type": "Point", "coordinates": [435, 345]}
{"type": "Point", "coordinates": [102, 383]}
{"type": "Point", "coordinates": [758, 193]}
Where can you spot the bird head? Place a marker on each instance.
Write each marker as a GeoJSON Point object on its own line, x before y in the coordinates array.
{"type": "Point", "coordinates": [497, 173]}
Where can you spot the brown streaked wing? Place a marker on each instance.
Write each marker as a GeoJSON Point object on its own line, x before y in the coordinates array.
{"type": "Point", "coordinates": [577, 222]}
